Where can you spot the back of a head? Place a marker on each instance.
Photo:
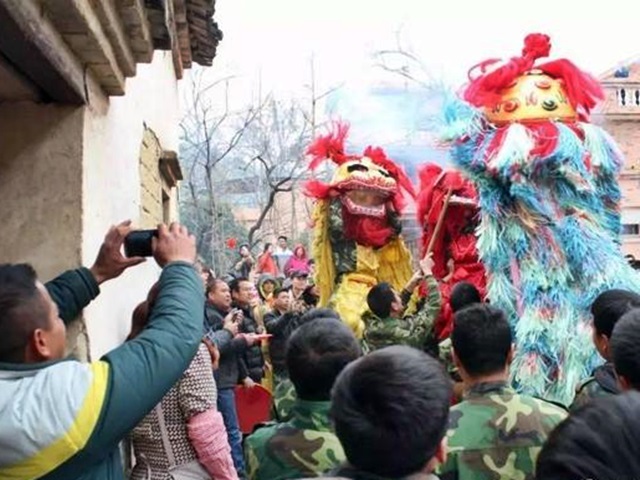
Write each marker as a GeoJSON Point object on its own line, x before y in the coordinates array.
{"type": "Point", "coordinates": [481, 339]}
{"type": "Point", "coordinates": [464, 294]}
{"type": "Point", "coordinates": [609, 307]}
{"type": "Point", "coordinates": [316, 313]}
{"type": "Point", "coordinates": [599, 441]}
{"type": "Point", "coordinates": [380, 298]}
{"type": "Point", "coordinates": [390, 410]}
{"type": "Point", "coordinates": [310, 316]}
{"type": "Point", "coordinates": [624, 347]}
{"type": "Point", "coordinates": [316, 353]}
{"type": "Point", "coordinates": [22, 310]}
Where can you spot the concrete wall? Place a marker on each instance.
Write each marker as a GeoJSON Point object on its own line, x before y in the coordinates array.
{"type": "Point", "coordinates": [113, 136]}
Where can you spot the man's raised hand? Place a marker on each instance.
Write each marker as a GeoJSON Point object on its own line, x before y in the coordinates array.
{"type": "Point", "coordinates": [110, 262]}
{"type": "Point", "coordinates": [173, 244]}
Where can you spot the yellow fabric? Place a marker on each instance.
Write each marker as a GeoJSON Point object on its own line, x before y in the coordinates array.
{"type": "Point", "coordinates": [534, 96]}
{"type": "Point", "coordinates": [267, 380]}
{"type": "Point", "coordinates": [350, 300]}
{"type": "Point", "coordinates": [391, 263]}
{"type": "Point", "coordinates": [71, 441]}
{"type": "Point", "coordinates": [325, 276]}
{"type": "Point", "coordinates": [395, 264]}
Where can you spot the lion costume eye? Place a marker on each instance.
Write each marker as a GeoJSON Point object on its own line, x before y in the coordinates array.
{"type": "Point", "coordinates": [357, 167]}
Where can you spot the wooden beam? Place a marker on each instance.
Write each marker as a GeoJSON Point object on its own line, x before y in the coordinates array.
{"type": "Point", "coordinates": [182, 28]}
{"type": "Point", "coordinates": [136, 25]}
{"type": "Point", "coordinates": [170, 167]}
{"type": "Point", "coordinates": [114, 28]}
{"type": "Point", "coordinates": [32, 43]}
{"type": "Point", "coordinates": [170, 23]}
{"type": "Point", "coordinates": [14, 87]}
{"type": "Point", "coordinates": [80, 26]}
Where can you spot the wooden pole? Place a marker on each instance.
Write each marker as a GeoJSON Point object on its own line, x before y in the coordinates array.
{"type": "Point", "coordinates": [436, 231]}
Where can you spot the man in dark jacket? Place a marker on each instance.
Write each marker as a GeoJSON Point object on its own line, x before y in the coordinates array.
{"type": "Point", "coordinates": [64, 419]}
{"type": "Point", "coordinates": [252, 360]}
{"type": "Point", "coordinates": [278, 323]}
{"type": "Point", "coordinates": [222, 323]}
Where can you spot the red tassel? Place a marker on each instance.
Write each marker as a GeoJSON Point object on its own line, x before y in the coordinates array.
{"type": "Point", "coordinates": [582, 89]}
{"type": "Point", "coordinates": [485, 89]}
{"type": "Point", "coordinates": [329, 147]}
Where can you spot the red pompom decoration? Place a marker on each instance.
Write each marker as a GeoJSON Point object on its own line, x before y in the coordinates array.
{"type": "Point", "coordinates": [536, 45]}
{"type": "Point", "coordinates": [232, 243]}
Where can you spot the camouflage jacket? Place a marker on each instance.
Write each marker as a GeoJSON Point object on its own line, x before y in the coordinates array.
{"type": "Point", "coordinates": [411, 330]}
{"type": "Point", "coordinates": [497, 434]}
{"type": "Point", "coordinates": [603, 383]}
{"type": "Point", "coordinates": [284, 399]}
{"type": "Point", "coordinates": [303, 447]}
{"type": "Point", "coordinates": [349, 472]}
{"type": "Point", "coordinates": [345, 254]}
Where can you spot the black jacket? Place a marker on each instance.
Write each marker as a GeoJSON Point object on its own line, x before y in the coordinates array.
{"type": "Point", "coordinates": [252, 361]}
{"type": "Point", "coordinates": [280, 326]}
{"type": "Point", "coordinates": [231, 349]}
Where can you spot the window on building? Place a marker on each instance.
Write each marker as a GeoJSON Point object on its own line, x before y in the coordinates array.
{"type": "Point", "coordinates": [159, 176]}
{"type": "Point", "coordinates": [631, 229]}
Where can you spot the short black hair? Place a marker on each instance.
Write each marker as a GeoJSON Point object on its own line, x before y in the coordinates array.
{"type": "Point", "coordinates": [624, 347]}
{"type": "Point", "coordinates": [481, 338]}
{"type": "Point", "coordinates": [234, 285]}
{"type": "Point", "coordinates": [464, 294]}
{"type": "Point", "coordinates": [600, 440]}
{"type": "Point", "coordinates": [316, 353]}
{"type": "Point", "coordinates": [22, 310]}
{"type": "Point", "coordinates": [390, 410]}
{"type": "Point", "coordinates": [282, 237]}
{"type": "Point", "coordinates": [212, 284]}
{"type": "Point", "coordinates": [278, 290]}
{"type": "Point", "coordinates": [380, 298]}
{"type": "Point", "coordinates": [309, 297]}
{"type": "Point", "coordinates": [609, 307]}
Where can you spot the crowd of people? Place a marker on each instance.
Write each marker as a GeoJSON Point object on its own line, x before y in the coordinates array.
{"type": "Point", "coordinates": [395, 404]}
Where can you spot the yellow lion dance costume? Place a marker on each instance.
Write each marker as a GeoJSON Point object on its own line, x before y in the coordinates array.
{"type": "Point", "coordinates": [356, 220]}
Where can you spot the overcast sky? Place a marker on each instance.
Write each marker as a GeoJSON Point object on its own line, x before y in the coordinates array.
{"type": "Point", "coordinates": [274, 39]}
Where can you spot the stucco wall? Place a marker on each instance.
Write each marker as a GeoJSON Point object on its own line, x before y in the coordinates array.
{"type": "Point", "coordinates": [40, 183]}
{"type": "Point", "coordinates": [113, 136]}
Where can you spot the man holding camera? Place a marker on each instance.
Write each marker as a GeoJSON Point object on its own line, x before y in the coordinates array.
{"type": "Point", "coordinates": [64, 419]}
{"type": "Point", "coordinates": [223, 324]}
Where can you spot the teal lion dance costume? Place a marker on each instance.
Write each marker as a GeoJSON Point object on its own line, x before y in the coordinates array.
{"type": "Point", "coordinates": [549, 199]}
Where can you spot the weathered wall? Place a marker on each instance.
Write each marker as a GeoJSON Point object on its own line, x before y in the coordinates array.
{"type": "Point", "coordinates": [40, 184]}
{"type": "Point", "coordinates": [113, 137]}
{"type": "Point", "coordinates": [41, 189]}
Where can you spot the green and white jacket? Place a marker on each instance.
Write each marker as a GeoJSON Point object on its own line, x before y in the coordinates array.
{"type": "Point", "coordinates": [64, 419]}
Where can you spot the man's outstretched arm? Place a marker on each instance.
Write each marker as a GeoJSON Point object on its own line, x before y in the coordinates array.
{"type": "Point", "coordinates": [75, 289]}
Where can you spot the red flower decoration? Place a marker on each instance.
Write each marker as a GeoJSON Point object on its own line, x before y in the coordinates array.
{"type": "Point", "coordinates": [232, 243]}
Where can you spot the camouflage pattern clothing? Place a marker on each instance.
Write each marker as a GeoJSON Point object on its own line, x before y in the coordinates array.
{"type": "Point", "coordinates": [497, 434]}
{"type": "Point", "coordinates": [345, 250]}
{"type": "Point", "coordinates": [303, 447]}
{"type": "Point", "coordinates": [284, 398]}
{"type": "Point", "coordinates": [602, 384]}
{"type": "Point", "coordinates": [411, 330]}
{"type": "Point", "coordinates": [349, 472]}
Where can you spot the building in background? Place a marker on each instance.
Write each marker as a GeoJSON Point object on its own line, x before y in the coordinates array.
{"type": "Point", "coordinates": [89, 117]}
{"type": "Point", "coordinates": [620, 116]}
